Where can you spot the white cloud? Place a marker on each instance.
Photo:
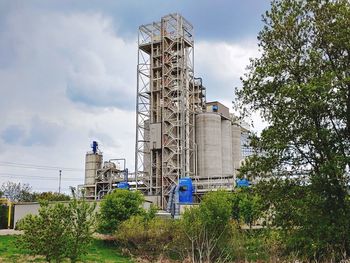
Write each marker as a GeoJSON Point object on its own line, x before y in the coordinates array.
{"type": "Point", "coordinates": [221, 64]}
{"type": "Point", "coordinates": [72, 79]}
{"type": "Point", "coordinates": [68, 82]}
{"type": "Point", "coordinates": [225, 60]}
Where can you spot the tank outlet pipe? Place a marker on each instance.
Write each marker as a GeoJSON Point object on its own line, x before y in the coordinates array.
{"type": "Point", "coordinates": [171, 200]}
{"type": "Point", "coordinates": [126, 174]}
{"type": "Point", "coordinates": [177, 202]}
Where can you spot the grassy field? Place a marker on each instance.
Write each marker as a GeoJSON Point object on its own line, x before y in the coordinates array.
{"type": "Point", "coordinates": [100, 251]}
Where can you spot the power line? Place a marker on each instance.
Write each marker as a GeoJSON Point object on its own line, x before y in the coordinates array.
{"type": "Point", "coordinates": [47, 174]}
{"type": "Point", "coordinates": [37, 166]}
{"type": "Point", "coordinates": [43, 189]}
{"type": "Point", "coordinates": [22, 176]}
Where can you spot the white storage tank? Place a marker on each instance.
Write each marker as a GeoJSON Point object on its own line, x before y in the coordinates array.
{"type": "Point", "coordinates": [208, 139]}
{"type": "Point", "coordinates": [226, 148]}
{"type": "Point", "coordinates": [236, 147]}
{"type": "Point", "coordinates": [93, 162]}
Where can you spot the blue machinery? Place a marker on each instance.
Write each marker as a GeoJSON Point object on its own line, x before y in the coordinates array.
{"type": "Point", "coordinates": [94, 147]}
{"type": "Point", "coordinates": [242, 183]}
{"type": "Point", "coordinates": [185, 191]}
{"type": "Point", "coordinates": [183, 194]}
{"type": "Point", "coordinates": [123, 185]}
{"type": "Point", "coordinates": [180, 194]}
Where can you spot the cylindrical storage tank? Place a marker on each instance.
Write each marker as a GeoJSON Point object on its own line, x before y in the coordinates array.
{"type": "Point", "coordinates": [236, 147]}
{"type": "Point", "coordinates": [226, 148]}
{"type": "Point", "coordinates": [208, 139]}
{"type": "Point", "coordinates": [93, 162]}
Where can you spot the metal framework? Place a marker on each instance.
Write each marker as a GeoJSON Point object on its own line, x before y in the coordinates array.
{"type": "Point", "coordinates": [168, 97]}
{"type": "Point", "coordinates": [105, 181]}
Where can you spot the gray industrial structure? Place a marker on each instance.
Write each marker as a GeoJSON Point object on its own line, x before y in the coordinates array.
{"type": "Point", "coordinates": [178, 133]}
{"type": "Point", "coordinates": [101, 177]}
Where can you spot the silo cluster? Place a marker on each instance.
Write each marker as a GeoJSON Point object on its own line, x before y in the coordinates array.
{"type": "Point", "coordinates": [218, 143]}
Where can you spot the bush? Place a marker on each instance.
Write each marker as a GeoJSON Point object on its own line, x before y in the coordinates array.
{"type": "Point", "coordinates": [247, 206]}
{"type": "Point", "coordinates": [50, 196]}
{"type": "Point", "coordinates": [205, 233]}
{"type": "Point", "coordinates": [47, 233]}
{"type": "Point", "coordinates": [153, 238]}
{"type": "Point", "coordinates": [117, 207]}
{"type": "Point", "coordinates": [206, 227]}
{"type": "Point", "coordinates": [59, 231]}
{"type": "Point", "coordinates": [82, 226]}
{"type": "Point", "coordinates": [146, 237]}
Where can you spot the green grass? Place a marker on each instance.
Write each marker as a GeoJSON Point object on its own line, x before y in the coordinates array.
{"type": "Point", "coordinates": [100, 251]}
{"type": "Point", "coordinates": [104, 251]}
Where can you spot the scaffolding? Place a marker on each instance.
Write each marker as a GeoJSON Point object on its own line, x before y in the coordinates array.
{"type": "Point", "coordinates": [168, 98]}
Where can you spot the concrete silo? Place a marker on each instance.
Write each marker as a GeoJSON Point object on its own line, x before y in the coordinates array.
{"type": "Point", "coordinates": [93, 162]}
{"type": "Point", "coordinates": [209, 155]}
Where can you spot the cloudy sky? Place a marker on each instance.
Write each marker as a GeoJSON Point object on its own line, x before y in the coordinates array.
{"type": "Point", "coordinates": [68, 76]}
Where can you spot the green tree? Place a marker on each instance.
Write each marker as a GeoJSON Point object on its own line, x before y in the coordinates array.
{"type": "Point", "coordinates": [82, 221]}
{"type": "Point", "coordinates": [51, 196]}
{"type": "Point", "coordinates": [47, 233]}
{"type": "Point", "coordinates": [117, 207]}
{"type": "Point", "coordinates": [59, 230]}
{"type": "Point", "coordinates": [17, 192]}
{"type": "Point", "coordinates": [206, 226]}
{"type": "Point", "coordinates": [248, 205]}
{"type": "Point", "coordinates": [301, 87]}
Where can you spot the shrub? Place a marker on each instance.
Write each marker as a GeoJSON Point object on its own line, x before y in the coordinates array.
{"type": "Point", "coordinates": [82, 226]}
{"type": "Point", "coordinates": [59, 231]}
{"type": "Point", "coordinates": [151, 237]}
{"type": "Point", "coordinates": [205, 233]}
{"type": "Point", "coordinates": [206, 226]}
{"type": "Point", "coordinates": [247, 206]}
{"type": "Point", "coordinates": [200, 234]}
{"type": "Point", "coordinates": [117, 207]}
{"type": "Point", "coordinates": [47, 233]}
{"type": "Point", "coordinates": [51, 196]}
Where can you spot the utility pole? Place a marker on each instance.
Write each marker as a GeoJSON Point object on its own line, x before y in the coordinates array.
{"type": "Point", "coordinates": [59, 185]}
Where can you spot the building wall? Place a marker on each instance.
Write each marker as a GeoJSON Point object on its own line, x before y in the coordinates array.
{"type": "Point", "coordinates": [23, 209]}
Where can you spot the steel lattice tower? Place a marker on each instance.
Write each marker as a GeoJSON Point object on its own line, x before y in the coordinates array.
{"type": "Point", "coordinates": [168, 97]}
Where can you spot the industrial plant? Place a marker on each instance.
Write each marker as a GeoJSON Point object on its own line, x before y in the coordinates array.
{"type": "Point", "coordinates": [184, 144]}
